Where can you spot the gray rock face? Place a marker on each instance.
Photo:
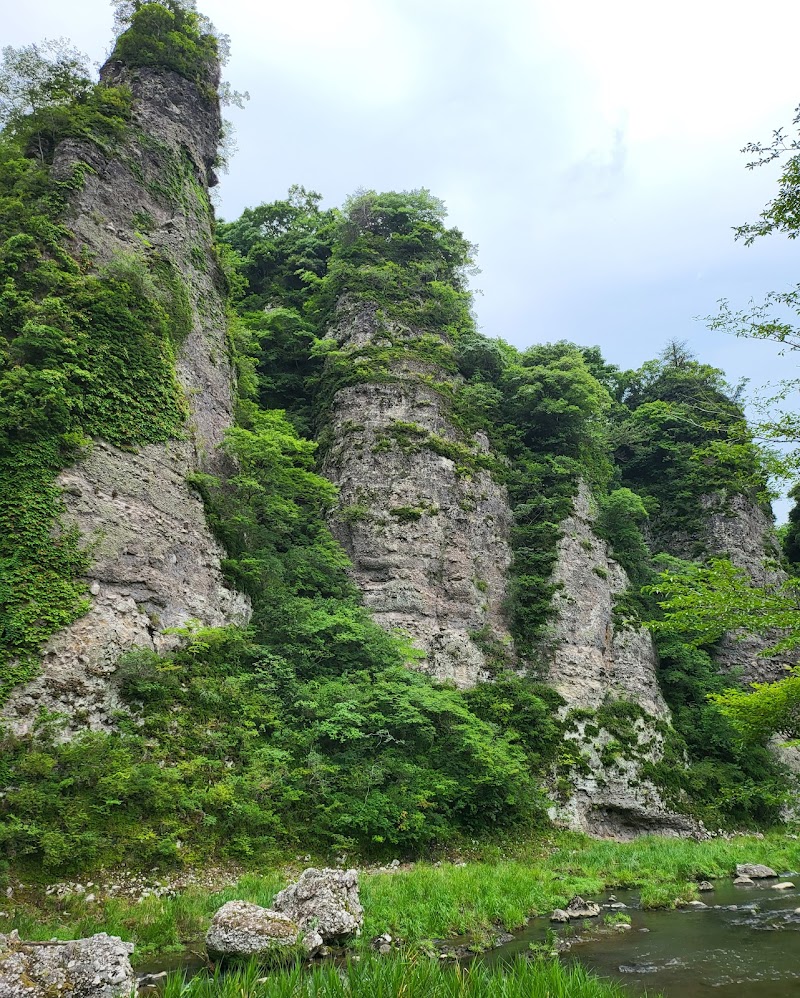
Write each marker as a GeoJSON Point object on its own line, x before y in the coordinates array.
{"type": "Point", "coordinates": [428, 538]}
{"type": "Point", "coordinates": [97, 967]}
{"type": "Point", "coordinates": [592, 661]}
{"type": "Point", "coordinates": [155, 563]}
{"type": "Point", "coordinates": [756, 871]}
{"type": "Point", "coordinates": [325, 901]}
{"type": "Point", "coordinates": [240, 930]}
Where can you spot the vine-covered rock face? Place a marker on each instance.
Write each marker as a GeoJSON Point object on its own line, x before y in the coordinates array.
{"type": "Point", "coordinates": [154, 562]}
{"type": "Point", "coordinates": [426, 527]}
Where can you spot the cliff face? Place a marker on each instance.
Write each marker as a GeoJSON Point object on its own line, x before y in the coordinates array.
{"type": "Point", "coordinates": [740, 530]}
{"type": "Point", "coordinates": [428, 533]}
{"type": "Point", "coordinates": [595, 663]}
{"type": "Point", "coordinates": [155, 564]}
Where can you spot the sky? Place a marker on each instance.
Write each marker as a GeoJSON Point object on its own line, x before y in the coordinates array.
{"type": "Point", "coordinates": [591, 150]}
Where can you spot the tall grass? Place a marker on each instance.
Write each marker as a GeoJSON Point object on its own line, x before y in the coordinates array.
{"type": "Point", "coordinates": [375, 977]}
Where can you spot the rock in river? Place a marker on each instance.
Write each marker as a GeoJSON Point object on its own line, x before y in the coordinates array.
{"type": "Point", "coordinates": [757, 871]}
{"type": "Point", "coordinates": [578, 908]}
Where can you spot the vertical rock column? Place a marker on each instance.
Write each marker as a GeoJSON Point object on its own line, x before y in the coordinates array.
{"type": "Point", "coordinates": [155, 564]}
{"type": "Point", "coordinates": [596, 663]}
{"type": "Point", "coordinates": [426, 527]}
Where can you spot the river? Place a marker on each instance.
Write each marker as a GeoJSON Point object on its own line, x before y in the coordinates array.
{"type": "Point", "coordinates": [749, 952]}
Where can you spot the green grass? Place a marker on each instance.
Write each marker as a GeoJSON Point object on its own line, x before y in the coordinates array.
{"type": "Point", "coordinates": [498, 887]}
{"type": "Point", "coordinates": [374, 977]}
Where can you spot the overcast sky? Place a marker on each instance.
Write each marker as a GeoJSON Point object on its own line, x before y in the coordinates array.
{"type": "Point", "coordinates": [590, 149]}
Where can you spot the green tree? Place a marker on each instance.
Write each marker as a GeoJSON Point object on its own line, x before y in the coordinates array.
{"type": "Point", "coordinates": [765, 709]}
{"type": "Point", "coordinates": [40, 75]}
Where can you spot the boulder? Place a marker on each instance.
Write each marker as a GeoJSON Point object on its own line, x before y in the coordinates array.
{"type": "Point", "coordinates": [785, 886]}
{"type": "Point", "coordinates": [559, 915]}
{"type": "Point", "coordinates": [756, 871]}
{"type": "Point", "coordinates": [744, 881]}
{"type": "Point", "coordinates": [97, 967]}
{"type": "Point", "coordinates": [704, 885]}
{"type": "Point", "coordinates": [326, 901]}
{"type": "Point", "coordinates": [578, 908]}
{"type": "Point", "coordinates": [240, 930]}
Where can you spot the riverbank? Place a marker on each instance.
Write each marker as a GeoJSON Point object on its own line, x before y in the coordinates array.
{"type": "Point", "coordinates": [488, 889]}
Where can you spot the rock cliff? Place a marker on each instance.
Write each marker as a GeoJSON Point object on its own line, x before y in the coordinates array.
{"type": "Point", "coordinates": [737, 528]}
{"type": "Point", "coordinates": [607, 674]}
{"type": "Point", "coordinates": [155, 564]}
{"type": "Point", "coordinates": [427, 529]}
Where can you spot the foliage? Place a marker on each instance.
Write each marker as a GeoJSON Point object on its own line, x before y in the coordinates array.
{"type": "Point", "coordinates": [765, 709]}
{"type": "Point", "coordinates": [725, 781]}
{"type": "Point", "coordinates": [337, 742]}
{"type": "Point", "coordinates": [790, 541]}
{"type": "Point", "coordinates": [39, 76]}
{"type": "Point", "coordinates": [682, 443]}
{"type": "Point", "coordinates": [702, 602]}
{"type": "Point", "coordinates": [622, 513]}
{"type": "Point", "coordinates": [782, 214]}
{"type": "Point", "coordinates": [169, 34]}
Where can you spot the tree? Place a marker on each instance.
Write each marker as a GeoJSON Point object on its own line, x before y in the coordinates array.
{"type": "Point", "coordinates": [701, 603]}
{"type": "Point", "coordinates": [40, 75]}
{"type": "Point", "coordinates": [767, 709]}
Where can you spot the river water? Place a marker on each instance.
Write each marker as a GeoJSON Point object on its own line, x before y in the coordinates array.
{"type": "Point", "coordinates": [744, 944]}
{"type": "Point", "coordinates": [713, 952]}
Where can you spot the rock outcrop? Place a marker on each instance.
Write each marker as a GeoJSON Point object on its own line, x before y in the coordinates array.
{"type": "Point", "coordinates": [97, 967]}
{"type": "Point", "coordinates": [427, 529]}
{"type": "Point", "coordinates": [594, 661]}
{"type": "Point", "coordinates": [322, 907]}
{"type": "Point", "coordinates": [155, 564]}
{"type": "Point", "coordinates": [326, 901]}
{"type": "Point", "coordinates": [241, 930]}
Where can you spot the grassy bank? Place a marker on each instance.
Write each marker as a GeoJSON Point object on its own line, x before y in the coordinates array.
{"type": "Point", "coordinates": [497, 887]}
{"type": "Point", "coordinates": [387, 977]}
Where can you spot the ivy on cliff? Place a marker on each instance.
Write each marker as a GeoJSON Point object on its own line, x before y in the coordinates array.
{"type": "Point", "coordinates": [82, 355]}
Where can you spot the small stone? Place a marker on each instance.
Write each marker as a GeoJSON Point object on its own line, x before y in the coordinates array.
{"type": "Point", "coordinates": [743, 881]}
{"type": "Point", "coordinates": [559, 915]}
{"type": "Point", "coordinates": [696, 904]}
{"type": "Point", "coordinates": [704, 885]}
{"type": "Point", "coordinates": [785, 886]}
